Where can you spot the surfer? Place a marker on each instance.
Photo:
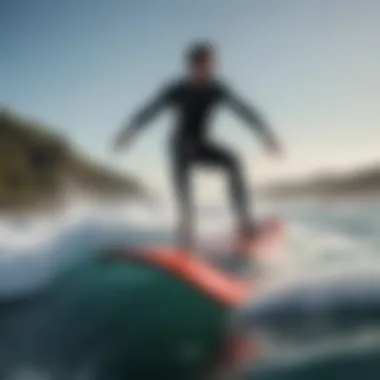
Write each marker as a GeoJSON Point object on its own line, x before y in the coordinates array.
{"type": "Point", "coordinates": [194, 97]}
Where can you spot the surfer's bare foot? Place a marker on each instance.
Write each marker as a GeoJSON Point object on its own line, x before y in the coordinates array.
{"type": "Point", "coordinates": [246, 236]}
{"type": "Point", "coordinates": [185, 239]}
{"type": "Point", "coordinates": [249, 231]}
{"type": "Point", "coordinates": [184, 242]}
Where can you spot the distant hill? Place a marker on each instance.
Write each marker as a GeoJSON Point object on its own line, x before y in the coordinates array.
{"type": "Point", "coordinates": [37, 166]}
{"type": "Point", "coordinates": [362, 183]}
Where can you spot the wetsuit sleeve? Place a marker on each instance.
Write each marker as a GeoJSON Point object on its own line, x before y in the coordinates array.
{"type": "Point", "coordinates": [145, 114]}
{"type": "Point", "coordinates": [246, 112]}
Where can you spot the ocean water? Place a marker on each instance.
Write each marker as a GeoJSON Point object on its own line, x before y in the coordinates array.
{"type": "Point", "coordinates": [316, 313]}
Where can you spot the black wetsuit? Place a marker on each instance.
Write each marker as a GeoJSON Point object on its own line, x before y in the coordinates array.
{"type": "Point", "coordinates": [190, 144]}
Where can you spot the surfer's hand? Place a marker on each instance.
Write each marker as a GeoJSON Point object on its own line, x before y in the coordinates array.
{"type": "Point", "coordinates": [121, 142]}
{"type": "Point", "coordinates": [274, 148]}
{"type": "Point", "coordinates": [116, 146]}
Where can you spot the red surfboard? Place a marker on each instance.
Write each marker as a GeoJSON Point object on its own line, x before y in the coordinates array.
{"type": "Point", "coordinates": [189, 267]}
{"type": "Point", "coordinates": [231, 290]}
{"type": "Point", "coordinates": [200, 270]}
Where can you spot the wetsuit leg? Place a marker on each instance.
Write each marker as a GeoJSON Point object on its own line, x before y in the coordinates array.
{"type": "Point", "coordinates": [214, 155]}
{"type": "Point", "coordinates": [181, 165]}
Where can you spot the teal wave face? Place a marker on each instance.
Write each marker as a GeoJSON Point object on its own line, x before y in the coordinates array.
{"type": "Point", "coordinates": [80, 322]}
{"type": "Point", "coordinates": [117, 320]}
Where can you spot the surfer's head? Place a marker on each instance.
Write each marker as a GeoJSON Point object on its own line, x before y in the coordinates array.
{"type": "Point", "coordinates": [200, 57]}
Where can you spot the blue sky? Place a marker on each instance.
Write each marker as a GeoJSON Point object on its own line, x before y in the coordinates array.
{"type": "Point", "coordinates": [310, 65]}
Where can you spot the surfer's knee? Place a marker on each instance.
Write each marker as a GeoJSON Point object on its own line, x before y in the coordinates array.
{"type": "Point", "coordinates": [234, 170]}
{"type": "Point", "coordinates": [231, 162]}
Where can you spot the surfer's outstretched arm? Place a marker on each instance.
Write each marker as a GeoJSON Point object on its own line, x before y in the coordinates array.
{"type": "Point", "coordinates": [251, 116]}
{"type": "Point", "coordinates": [143, 116]}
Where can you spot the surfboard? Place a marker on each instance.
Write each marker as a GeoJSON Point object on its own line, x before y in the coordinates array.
{"type": "Point", "coordinates": [214, 283]}
{"type": "Point", "coordinates": [212, 272]}
{"type": "Point", "coordinates": [209, 293]}
{"type": "Point", "coordinates": [189, 267]}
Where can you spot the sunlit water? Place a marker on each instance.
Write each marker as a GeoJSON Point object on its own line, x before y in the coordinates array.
{"type": "Point", "coordinates": [317, 313]}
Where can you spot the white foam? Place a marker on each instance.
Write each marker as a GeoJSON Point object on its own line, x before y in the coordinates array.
{"type": "Point", "coordinates": [34, 249]}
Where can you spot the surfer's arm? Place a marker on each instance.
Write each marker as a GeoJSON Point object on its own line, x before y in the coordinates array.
{"type": "Point", "coordinates": [144, 115]}
{"type": "Point", "coordinates": [250, 115]}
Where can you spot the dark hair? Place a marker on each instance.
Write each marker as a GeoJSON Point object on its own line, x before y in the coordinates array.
{"type": "Point", "coordinates": [198, 51]}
